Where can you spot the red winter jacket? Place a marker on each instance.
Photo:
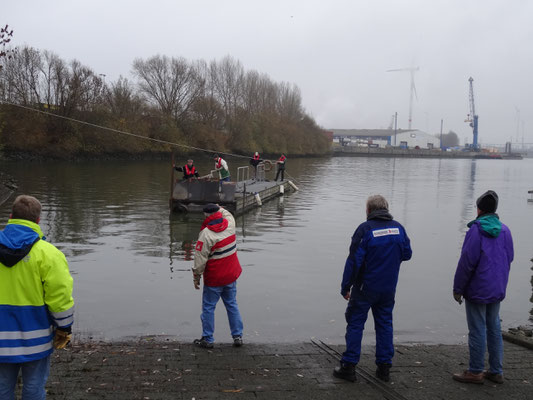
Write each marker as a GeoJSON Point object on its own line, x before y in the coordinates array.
{"type": "Point", "coordinates": [216, 250]}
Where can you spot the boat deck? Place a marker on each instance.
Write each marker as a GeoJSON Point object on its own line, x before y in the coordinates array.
{"type": "Point", "coordinates": [238, 197]}
{"type": "Point", "coordinates": [253, 186]}
{"type": "Point", "coordinates": [245, 194]}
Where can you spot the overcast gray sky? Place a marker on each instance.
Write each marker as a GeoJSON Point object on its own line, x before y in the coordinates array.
{"type": "Point", "coordinates": [336, 51]}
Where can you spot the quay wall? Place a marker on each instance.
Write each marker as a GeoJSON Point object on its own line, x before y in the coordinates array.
{"type": "Point", "coordinates": [356, 151]}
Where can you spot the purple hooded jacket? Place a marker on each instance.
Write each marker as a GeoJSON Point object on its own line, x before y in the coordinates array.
{"type": "Point", "coordinates": [483, 269]}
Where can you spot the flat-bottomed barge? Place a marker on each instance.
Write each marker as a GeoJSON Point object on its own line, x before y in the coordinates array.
{"type": "Point", "coordinates": [238, 197]}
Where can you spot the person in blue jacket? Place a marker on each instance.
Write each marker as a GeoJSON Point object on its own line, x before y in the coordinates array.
{"type": "Point", "coordinates": [378, 247]}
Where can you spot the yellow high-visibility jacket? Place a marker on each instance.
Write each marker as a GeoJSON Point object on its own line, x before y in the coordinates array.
{"type": "Point", "coordinates": [35, 293]}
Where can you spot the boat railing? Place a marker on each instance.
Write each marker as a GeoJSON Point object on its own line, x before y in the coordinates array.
{"type": "Point", "coordinates": [260, 173]}
{"type": "Point", "coordinates": [243, 174]}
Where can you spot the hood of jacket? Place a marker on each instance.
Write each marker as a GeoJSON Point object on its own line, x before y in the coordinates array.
{"type": "Point", "coordinates": [380, 214]}
{"type": "Point", "coordinates": [215, 222]}
{"type": "Point", "coordinates": [17, 239]}
{"type": "Point", "coordinates": [490, 224]}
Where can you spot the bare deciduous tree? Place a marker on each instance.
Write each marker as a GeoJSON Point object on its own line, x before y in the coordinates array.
{"type": "Point", "coordinates": [289, 105]}
{"type": "Point", "coordinates": [84, 88]}
{"type": "Point", "coordinates": [227, 80]}
{"type": "Point", "coordinates": [21, 77]}
{"type": "Point", "coordinates": [216, 105]}
{"type": "Point", "coordinates": [172, 84]}
{"type": "Point", "coordinates": [44, 80]}
{"type": "Point", "coordinates": [122, 99]}
{"type": "Point", "coordinates": [5, 37]}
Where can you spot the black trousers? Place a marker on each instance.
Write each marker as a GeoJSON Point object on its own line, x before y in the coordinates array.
{"type": "Point", "coordinates": [282, 172]}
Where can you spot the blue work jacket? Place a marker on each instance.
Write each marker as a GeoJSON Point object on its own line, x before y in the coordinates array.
{"type": "Point", "coordinates": [378, 247]}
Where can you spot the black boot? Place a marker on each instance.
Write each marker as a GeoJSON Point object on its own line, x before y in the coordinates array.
{"type": "Point", "coordinates": [345, 371]}
{"type": "Point", "coordinates": [203, 343]}
{"type": "Point", "coordinates": [383, 372]}
{"type": "Point", "coordinates": [237, 341]}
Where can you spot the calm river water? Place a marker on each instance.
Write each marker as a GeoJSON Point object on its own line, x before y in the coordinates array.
{"type": "Point", "coordinates": [131, 260]}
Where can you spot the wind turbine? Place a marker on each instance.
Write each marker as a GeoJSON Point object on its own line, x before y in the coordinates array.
{"type": "Point", "coordinates": [412, 71]}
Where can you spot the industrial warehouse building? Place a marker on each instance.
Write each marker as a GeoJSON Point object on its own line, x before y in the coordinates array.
{"type": "Point", "coordinates": [411, 138]}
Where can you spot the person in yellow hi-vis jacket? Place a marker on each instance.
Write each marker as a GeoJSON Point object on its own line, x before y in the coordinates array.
{"type": "Point", "coordinates": [36, 305]}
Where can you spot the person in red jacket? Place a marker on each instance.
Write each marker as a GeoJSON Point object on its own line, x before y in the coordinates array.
{"type": "Point", "coordinates": [216, 259]}
{"type": "Point", "coordinates": [189, 170]}
{"type": "Point", "coordinates": [255, 161]}
{"type": "Point", "coordinates": [281, 167]}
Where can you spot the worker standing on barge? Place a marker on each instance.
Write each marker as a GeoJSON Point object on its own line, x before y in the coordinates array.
{"type": "Point", "coordinates": [281, 167]}
{"type": "Point", "coordinates": [222, 167]}
{"type": "Point", "coordinates": [189, 170]}
{"type": "Point", "coordinates": [255, 161]}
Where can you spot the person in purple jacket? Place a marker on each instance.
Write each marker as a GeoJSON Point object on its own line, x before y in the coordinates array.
{"type": "Point", "coordinates": [481, 279]}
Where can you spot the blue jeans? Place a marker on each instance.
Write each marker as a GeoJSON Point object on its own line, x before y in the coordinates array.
{"type": "Point", "coordinates": [211, 295]}
{"type": "Point", "coordinates": [34, 377]}
{"type": "Point", "coordinates": [360, 303]}
{"type": "Point", "coordinates": [484, 331]}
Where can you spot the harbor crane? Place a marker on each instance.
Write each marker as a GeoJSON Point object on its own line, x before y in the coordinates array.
{"type": "Point", "coordinates": [472, 117]}
{"type": "Point", "coordinates": [412, 71]}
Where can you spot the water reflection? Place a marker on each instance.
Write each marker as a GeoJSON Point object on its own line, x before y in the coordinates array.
{"type": "Point", "coordinates": [184, 230]}
{"type": "Point", "coordinates": [467, 214]}
{"type": "Point", "coordinates": [132, 259]}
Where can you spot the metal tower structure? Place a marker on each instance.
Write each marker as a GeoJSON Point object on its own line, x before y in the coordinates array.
{"type": "Point", "coordinates": [472, 117]}
{"type": "Point", "coordinates": [517, 122]}
{"type": "Point", "coordinates": [412, 93]}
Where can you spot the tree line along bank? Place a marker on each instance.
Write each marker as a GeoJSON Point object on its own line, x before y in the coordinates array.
{"type": "Point", "coordinates": [216, 105]}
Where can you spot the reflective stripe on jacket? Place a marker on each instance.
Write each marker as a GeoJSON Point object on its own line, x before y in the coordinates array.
{"type": "Point", "coordinates": [35, 293]}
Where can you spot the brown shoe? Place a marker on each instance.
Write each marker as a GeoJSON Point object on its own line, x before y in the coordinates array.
{"type": "Point", "coordinates": [469, 377]}
{"type": "Point", "coordinates": [496, 378]}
